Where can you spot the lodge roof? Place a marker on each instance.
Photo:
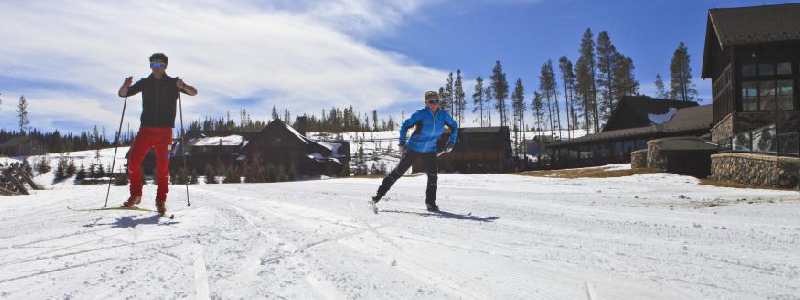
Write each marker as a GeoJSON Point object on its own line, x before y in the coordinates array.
{"type": "Point", "coordinates": [685, 120]}
{"type": "Point", "coordinates": [641, 108]}
{"type": "Point", "coordinates": [494, 129]}
{"type": "Point", "coordinates": [756, 24]}
{"type": "Point", "coordinates": [727, 27]}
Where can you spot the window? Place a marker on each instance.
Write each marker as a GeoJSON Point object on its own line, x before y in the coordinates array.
{"type": "Point", "coordinates": [748, 70]}
{"type": "Point", "coordinates": [766, 70]}
{"type": "Point", "coordinates": [750, 95]}
{"type": "Point", "coordinates": [630, 146]}
{"type": "Point", "coordinates": [789, 143]}
{"type": "Point", "coordinates": [785, 95]}
{"type": "Point", "coordinates": [785, 68]}
{"type": "Point", "coordinates": [641, 144]}
{"type": "Point", "coordinates": [764, 140]}
{"type": "Point", "coordinates": [766, 93]}
{"type": "Point", "coordinates": [741, 142]}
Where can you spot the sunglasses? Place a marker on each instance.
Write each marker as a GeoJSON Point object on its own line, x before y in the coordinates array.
{"type": "Point", "coordinates": [158, 64]}
{"type": "Point", "coordinates": [433, 101]}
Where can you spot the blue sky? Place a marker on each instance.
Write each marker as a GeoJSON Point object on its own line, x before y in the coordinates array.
{"type": "Point", "coordinates": [69, 57]}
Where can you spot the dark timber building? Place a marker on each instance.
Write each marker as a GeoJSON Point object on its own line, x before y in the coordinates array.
{"type": "Point", "coordinates": [752, 55]}
{"type": "Point", "coordinates": [633, 123]}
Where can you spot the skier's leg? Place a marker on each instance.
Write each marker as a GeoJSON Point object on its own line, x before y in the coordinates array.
{"type": "Point", "coordinates": [141, 145]}
{"type": "Point", "coordinates": [164, 138]}
{"type": "Point", "coordinates": [431, 170]}
{"type": "Point", "coordinates": [405, 162]}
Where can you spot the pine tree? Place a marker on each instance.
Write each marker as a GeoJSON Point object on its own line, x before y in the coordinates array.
{"type": "Point", "coordinates": [607, 64]}
{"type": "Point", "coordinates": [660, 91]}
{"type": "Point", "coordinates": [22, 113]}
{"type": "Point", "coordinates": [71, 167]}
{"type": "Point", "coordinates": [210, 174]}
{"type": "Point", "coordinates": [459, 102]}
{"type": "Point", "coordinates": [193, 179]}
{"type": "Point", "coordinates": [500, 91]}
{"type": "Point", "coordinates": [518, 105]}
{"type": "Point", "coordinates": [548, 87]}
{"type": "Point", "coordinates": [275, 115]}
{"type": "Point", "coordinates": [586, 86]}
{"type": "Point", "coordinates": [487, 92]}
{"type": "Point", "coordinates": [477, 99]}
{"type": "Point", "coordinates": [625, 84]}
{"type": "Point", "coordinates": [568, 76]}
{"type": "Point", "coordinates": [537, 107]}
{"type": "Point", "coordinates": [447, 98]}
{"type": "Point", "coordinates": [81, 174]}
{"type": "Point", "coordinates": [681, 85]}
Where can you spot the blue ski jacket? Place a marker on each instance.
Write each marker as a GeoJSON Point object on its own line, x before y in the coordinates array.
{"type": "Point", "coordinates": [429, 126]}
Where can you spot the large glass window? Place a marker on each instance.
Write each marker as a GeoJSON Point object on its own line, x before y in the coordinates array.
{"type": "Point", "coordinates": [630, 146]}
{"type": "Point", "coordinates": [750, 95]}
{"type": "Point", "coordinates": [741, 142]}
{"type": "Point", "coordinates": [766, 69]}
{"type": "Point", "coordinates": [785, 68]}
{"type": "Point", "coordinates": [748, 70]}
{"type": "Point", "coordinates": [766, 95]}
{"type": "Point", "coordinates": [764, 140]}
{"type": "Point", "coordinates": [641, 144]}
{"type": "Point", "coordinates": [789, 143]}
{"type": "Point", "coordinates": [785, 96]}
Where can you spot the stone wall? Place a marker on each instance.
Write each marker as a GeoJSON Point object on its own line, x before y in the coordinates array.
{"type": "Point", "coordinates": [639, 159]}
{"type": "Point", "coordinates": [722, 130]}
{"type": "Point", "coordinates": [654, 158]}
{"type": "Point", "coordinates": [756, 169]}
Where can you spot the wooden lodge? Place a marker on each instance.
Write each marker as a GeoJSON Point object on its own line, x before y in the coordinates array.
{"type": "Point", "coordinates": [752, 55]}
{"type": "Point", "coordinates": [281, 146]}
{"type": "Point", "coordinates": [633, 123]}
{"type": "Point", "coordinates": [477, 150]}
{"type": "Point", "coordinates": [22, 146]}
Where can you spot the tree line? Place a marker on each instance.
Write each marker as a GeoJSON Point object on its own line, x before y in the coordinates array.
{"type": "Point", "coordinates": [590, 90]}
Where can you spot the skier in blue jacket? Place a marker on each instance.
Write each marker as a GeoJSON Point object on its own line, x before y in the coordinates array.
{"type": "Point", "coordinates": [429, 123]}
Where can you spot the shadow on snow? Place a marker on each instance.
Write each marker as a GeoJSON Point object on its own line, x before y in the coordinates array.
{"type": "Point", "coordinates": [444, 214]}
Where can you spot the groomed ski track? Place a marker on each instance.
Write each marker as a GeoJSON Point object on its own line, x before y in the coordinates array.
{"type": "Point", "coordinates": [641, 237]}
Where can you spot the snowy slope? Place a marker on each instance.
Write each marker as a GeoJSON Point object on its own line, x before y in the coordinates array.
{"type": "Point", "coordinates": [654, 236]}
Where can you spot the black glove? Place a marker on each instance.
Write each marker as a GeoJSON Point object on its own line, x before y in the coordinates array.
{"type": "Point", "coordinates": [449, 147]}
{"type": "Point", "coordinates": [401, 145]}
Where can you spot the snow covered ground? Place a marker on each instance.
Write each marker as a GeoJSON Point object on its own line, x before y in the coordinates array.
{"type": "Point", "coordinates": [654, 236]}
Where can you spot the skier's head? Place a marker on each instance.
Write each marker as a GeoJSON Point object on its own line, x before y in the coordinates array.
{"type": "Point", "coordinates": [158, 63]}
{"type": "Point", "coordinates": [432, 100]}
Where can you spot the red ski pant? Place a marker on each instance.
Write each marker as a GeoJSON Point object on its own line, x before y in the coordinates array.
{"type": "Point", "coordinates": [150, 137]}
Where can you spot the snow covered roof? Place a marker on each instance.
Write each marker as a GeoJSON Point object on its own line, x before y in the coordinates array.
{"type": "Point", "coordinates": [662, 118]}
{"type": "Point", "coordinates": [230, 140]}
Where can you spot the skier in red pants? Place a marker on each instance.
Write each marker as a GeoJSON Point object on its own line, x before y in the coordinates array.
{"type": "Point", "coordinates": [159, 101]}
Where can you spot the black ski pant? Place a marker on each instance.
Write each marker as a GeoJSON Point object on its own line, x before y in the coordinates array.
{"type": "Point", "coordinates": [431, 164]}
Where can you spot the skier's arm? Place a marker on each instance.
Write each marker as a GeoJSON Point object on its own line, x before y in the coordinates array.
{"type": "Point", "coordinates": [185, 88]}
{"type": "Point", "coordinates": [406, 124]}
{"type": "Point", "coordinates": [449, 122]}
{"type": "Point", "coordinates": [128, 90]}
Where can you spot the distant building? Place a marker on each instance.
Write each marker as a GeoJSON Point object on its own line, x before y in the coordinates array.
{"type": "Point", "coordinates": [752, 55]}
{"type": "Point", "coordinates": [477, 150]}
{"type": "Point", "coordinates": [22, 146]}
{"type": "Point", "coordinates": [634, 122]}
{"type": "Point", "coordinates": [281, 146]}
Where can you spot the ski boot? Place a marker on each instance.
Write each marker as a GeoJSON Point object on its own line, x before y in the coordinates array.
{"type": "Point", "coordinates": [133, 201]}
{"type": "Point", "coordinates": [375, 199]}
{"type": "Point", "coordinates": [161, 207]}
{"type": "Point", "coordinates": [432, 208]}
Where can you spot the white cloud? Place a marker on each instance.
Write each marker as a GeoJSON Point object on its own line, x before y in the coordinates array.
{"type": "Point", "coordinates": [300, 55]}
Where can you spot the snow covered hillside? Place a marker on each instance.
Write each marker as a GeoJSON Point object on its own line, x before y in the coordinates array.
{"type": "Point", "coordinates": [654, 236]}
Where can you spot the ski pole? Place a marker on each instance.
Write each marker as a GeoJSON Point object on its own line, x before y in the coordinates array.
{"type": "Point", "coordinates": [116, 143]}
{"type": "Point", "coordinates": [183, 147]}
